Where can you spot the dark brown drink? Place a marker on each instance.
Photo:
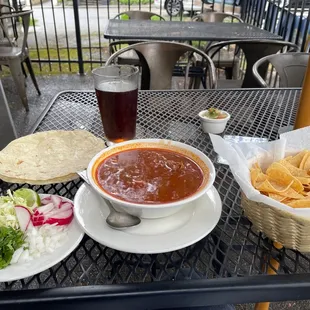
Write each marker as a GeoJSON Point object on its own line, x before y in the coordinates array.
{"type": "Point", "coordinates": [117, 102]}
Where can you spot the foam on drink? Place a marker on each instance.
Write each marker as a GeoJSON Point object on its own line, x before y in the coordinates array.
{"type": "Point", "coordinates": [116, 86]}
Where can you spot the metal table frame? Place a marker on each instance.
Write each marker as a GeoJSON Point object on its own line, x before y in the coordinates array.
{"type": "Point", "coordinates": [166, 30]}
{"type": "Point", "coordinates": [228, 285]}
{"type": "Point", "coordinates": [7, 127]}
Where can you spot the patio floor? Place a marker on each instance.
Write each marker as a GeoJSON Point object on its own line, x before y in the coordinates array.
{"type": "Point", "coordinates": [49, 86]}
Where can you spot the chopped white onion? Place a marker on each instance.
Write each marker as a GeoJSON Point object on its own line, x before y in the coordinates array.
{"type": "Point", "coordinates": [40, 240]}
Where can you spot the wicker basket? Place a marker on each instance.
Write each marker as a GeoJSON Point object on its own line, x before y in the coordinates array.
{"type": "Point", "coordinates": [291, 231]}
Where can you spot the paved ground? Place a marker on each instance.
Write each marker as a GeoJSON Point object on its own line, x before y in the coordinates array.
{"type": "Point", "coordinates": [92, 24]}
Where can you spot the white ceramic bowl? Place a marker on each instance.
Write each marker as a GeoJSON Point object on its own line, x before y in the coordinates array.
{"type": "Point", "coordinates": [153, 210]}
{"type": "Point", "coordinates": [211, 125]}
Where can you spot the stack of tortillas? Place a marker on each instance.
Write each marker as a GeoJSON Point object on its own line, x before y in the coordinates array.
{"type": "Point", "coordinates": [48, 157]}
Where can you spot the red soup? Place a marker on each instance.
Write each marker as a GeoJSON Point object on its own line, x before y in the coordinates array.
{"type": "Point", "coordinates": [149, 175]}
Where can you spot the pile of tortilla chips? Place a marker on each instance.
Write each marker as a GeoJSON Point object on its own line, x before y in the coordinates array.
{"type": "Point", "coordinates": [287, 181]}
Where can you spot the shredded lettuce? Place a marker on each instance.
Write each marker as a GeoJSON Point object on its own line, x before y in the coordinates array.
{"type": "Point", "coordinates": [7, 211]}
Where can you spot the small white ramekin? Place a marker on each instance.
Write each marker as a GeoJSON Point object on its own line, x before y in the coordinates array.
{"type": "Point", "coordinates": [213, 125]}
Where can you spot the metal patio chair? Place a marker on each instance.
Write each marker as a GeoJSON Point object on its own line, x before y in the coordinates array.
{"type": "Point", "coordinates": [290, 69]}
{"type": "Point", "coordinates": [131, 57]}
{"type": "Point", "coordinates": [253, 50]}
{"type": "Point", "coordinates": [128, 58]}
{"type": "Point", "coordinates": [158, 60]}
{"type": "Point", "coordinates": [216, 17]}
{"type": "Point", "coordinates": [7, 9]}
{"type": "Point", "coordinates": [13, 55]}
{"type": "Point", "coordinates": [226, 59]}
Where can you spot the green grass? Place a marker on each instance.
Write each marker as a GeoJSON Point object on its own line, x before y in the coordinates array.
{"type": "Point", "coordinates": [55, 68]}
{"type": "Point", "coordinates": [33, 22]}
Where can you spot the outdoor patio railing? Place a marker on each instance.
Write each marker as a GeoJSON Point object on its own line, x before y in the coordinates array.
{"type": "Point", "coordinates": [67, 36]}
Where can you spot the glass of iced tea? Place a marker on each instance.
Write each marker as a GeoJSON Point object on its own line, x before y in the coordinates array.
{"type": "Point", "coordinates": [117, 95]}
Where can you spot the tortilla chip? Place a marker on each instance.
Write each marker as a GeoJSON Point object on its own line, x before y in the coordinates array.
{"type": "Point", "coordinates": [272, 187]}
{"type": "Point", "coordinates": [296, 160]}
{"type": "Point", "coordinates": [297, 172]}
{"type": "Point", "coordinates": [277, 197]}
{"type": "Point", "coordinates": [288, 158]}
{"type": "Point", "coordinates": [304, 181]}
{"type": "Point", "coordinates": [256, 166]}
{"type": "Point", "coordinates": [280, 174]}
{"type": "Point", "coordinates": [307, 163]}
{"type": "Point", "coordinates": [290, 193]}
{"type": "Point", "coordinates": [302, 203]}
{"type": "Point", "coordinates": [303, 161]}
{"type": "Point", "coordinates": [254, 173]}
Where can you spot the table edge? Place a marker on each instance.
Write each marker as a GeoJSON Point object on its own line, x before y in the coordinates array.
{"type": "Point", "coordinates": [107, 35]}
{"type": "Point", "coordinates": [185, 293]}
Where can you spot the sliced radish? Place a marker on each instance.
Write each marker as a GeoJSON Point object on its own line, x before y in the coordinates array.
{"type": "Point", "coordinates": [24, 217]}
{"type": "Point", "coordinates": [61, 218]}
{"type": "Point", "coordinates": [55, 211]}
{"type": "Point", "coordinates": [37, 219]}
{"type": "Point", "coordinates": [66, 206]}
{"type": "Point", "coordinates": [30, 225]}
{"type": "Point", "coordinates": [46, 200]}
{"type": "Point", "coordinates": [56, 200]}
{"type": "Point", "coordinates": [46, 208]}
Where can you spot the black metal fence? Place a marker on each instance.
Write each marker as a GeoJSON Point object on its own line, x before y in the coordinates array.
{"type": "Point", "coordinates": [67, 35]}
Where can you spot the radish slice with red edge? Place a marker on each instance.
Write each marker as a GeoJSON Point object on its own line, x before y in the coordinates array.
{"type": "Point", "coordinates": [56, 211]}
{"type": "Point", "coordinates": [66, 206]}
{"type": "Point", "coordinates": [62, 218]}
{"type": "Point", "coordinates": [56, 201]}
{"type": "Point", "coordinates": [23, 216]}
{"type": "Point", "coordinates": [46, 200]}
{"type": "Point", "coordinates": [46, 208]}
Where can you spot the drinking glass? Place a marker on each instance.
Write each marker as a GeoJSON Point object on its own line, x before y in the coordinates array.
{"type": "Point", "coordinates": [117, 95]}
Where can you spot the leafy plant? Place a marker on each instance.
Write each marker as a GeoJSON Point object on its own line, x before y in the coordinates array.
{"type": "Point", "coordinates": [131, 2]}
{"type": "Point", "coordinates": [10, 240]}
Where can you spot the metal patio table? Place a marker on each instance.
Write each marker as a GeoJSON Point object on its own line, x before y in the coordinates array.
{"type": "Point", "coordinates": [227, 266]}
{"type": "Point", "coordinates": [168, 30]}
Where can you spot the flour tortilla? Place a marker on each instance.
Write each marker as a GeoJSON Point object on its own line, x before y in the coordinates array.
{"type": "Point", "coordinates": [48, 157]}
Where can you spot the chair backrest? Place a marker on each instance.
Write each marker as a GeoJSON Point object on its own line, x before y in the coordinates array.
{"type": "Point", "coordinates": [291, 68]}
{"type": "Point", "coordinates": [5, 9]}
{"type": "Point", "coordinates": [158, 59]}
{"type": "Point", "coordinates": [216, 17]}
{"type": "Point", "coordinates": [118, 45]}
{"type": "Point", "coordinates": [253, 50]}
{"type": "Point", "coordinates": [138, 15]}
{"type": "Point", "coordinates": [25, 17]}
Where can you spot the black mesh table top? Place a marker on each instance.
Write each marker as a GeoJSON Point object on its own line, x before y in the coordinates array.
{"type": "Point", "coordinates": [228, 258]}
{"type": "Point", "coordinates": [156, 30]}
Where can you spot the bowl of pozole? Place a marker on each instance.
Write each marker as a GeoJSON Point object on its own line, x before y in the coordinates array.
{"type": "Point", "coordinates": [151, 178]}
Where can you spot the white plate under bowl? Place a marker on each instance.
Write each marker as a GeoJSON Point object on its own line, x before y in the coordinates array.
{"type": "Point", "coordinates": [23, 270]}
{"type": "Point", "coordinates": [151, 236]}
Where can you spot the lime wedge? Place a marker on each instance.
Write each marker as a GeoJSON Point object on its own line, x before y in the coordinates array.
{"type": "Point", "coordinates": [31, 197]}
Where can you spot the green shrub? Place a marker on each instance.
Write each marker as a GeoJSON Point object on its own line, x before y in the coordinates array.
{"type": "Point", "coordinates": [131, 2]}
{"type": "Point", "coordinates": [126, 17]}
